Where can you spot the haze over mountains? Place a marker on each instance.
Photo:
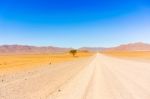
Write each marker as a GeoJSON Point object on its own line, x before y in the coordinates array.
{"type": "Point", "coordinates": [132, 47]}
{"type": "Point", "coordinates": [5, 49]}
{"type": "Point", "coordinates": [139, 46]}
{"type": "Point", "coordinates": [17, 49]}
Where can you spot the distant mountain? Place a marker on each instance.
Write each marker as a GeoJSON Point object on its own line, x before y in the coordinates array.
{"type": "Point", "coordinates": [132, 47]}
{"type": "Point", "coordinates": [125, 47]}
{"type": "Point", "coordinates": [92, 49]}
{"type": "Point", "coordinates": [6, 49]}
{"type": "Point", "coordinates": [23, 49]}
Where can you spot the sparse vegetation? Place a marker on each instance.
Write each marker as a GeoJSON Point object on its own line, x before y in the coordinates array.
{"type": "Point", "coordinates": [73, 52]}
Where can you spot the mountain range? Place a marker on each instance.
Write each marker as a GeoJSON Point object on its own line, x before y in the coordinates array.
{"type": "Point", "coordinates": [19, 49]}
{"type": "Point", "coordinates": [139, 46]}
{"type": "Point", "coordinates": [5, 49]}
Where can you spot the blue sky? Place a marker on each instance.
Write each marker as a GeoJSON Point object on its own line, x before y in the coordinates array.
{"type": "Point", "coordinates": [74, 23]}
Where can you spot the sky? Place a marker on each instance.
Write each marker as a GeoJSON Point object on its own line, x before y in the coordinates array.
{"type": "Point", "coordinates": [74, 23]}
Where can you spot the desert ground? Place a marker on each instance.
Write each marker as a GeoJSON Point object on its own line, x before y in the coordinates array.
{"type": "Point", "coordinates": [99, 76]}
{"type": "Point", "coordinates": [131, 55]}
{"type": "Point", "coordinates": [18, 62]}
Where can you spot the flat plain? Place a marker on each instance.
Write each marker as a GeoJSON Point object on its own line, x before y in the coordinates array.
{"type": "Point", "coordinates": [113, 75]}
{"type": "Point", "coordinates": [131, 55]}
{"type": "Point", "coordinates": [18, 62]}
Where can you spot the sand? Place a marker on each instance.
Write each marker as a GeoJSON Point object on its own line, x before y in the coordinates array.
{"type": "Point", "coordinates": [141, 55]}
{"type": "Point", "coordinates": [97, 77]}
{"type": "Point", "coordinates": [13, 63]}
{"type": "Point", "coordinates": [39, 83]}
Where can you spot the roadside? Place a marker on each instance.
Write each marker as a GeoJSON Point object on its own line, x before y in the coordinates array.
{"type": "Point", "coordinates": [15, 63]}
{"type": "Point", "coordinates": [142, 56]}
{"type": "Point", "coordinates": [38, 83]}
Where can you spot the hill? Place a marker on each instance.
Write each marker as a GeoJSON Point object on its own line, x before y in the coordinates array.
{"type": "Point", "coordinates": [19, 49]}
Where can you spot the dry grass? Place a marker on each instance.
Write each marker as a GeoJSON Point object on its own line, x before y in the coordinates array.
{"type": "Point", "coordinates": [27, 61]}
{"type": "Point", "coordinates": [129, 54]}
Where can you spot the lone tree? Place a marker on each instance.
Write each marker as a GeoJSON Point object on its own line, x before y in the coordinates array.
{"type": "Point", "coordinates": [73, 52]}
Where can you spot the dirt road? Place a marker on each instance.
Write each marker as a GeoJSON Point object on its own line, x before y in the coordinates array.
{"type": "Point", "coordinates": [98, 77]}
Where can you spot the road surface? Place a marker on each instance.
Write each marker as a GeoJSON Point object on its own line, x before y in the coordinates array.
{"type": "Point", "coordinates": [98, 77]}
